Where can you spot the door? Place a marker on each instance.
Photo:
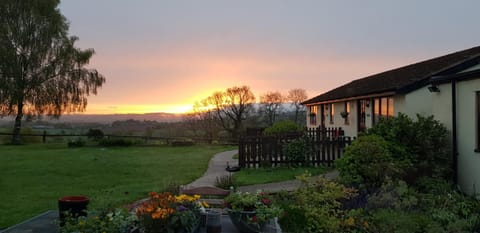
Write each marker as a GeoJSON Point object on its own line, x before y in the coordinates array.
{"type": "Point", "coordinates": [361, 115]}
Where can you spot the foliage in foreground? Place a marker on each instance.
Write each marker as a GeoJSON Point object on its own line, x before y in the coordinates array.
{"type": "Point", "coordinates": [327, 206]}
{"type": "Point", "coordinates": [397, 148]}
{"type": "Point", "coordinates": [402, 170]}
{"type": "Point", "coordinates": [164, 212]}
{"type": "Point", "coordinates": [315, 207]}
{"type": "Point", "coordinates": [420, 146]}
{"type": "Point", "coordinates": [118, 221]}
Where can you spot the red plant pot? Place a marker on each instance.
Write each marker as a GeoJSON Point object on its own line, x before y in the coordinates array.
{"type": "Point", "coordinates": [75, 205]}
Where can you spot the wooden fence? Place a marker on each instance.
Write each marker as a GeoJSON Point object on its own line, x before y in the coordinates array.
{"type": "Point", "coordinates": [47, 138]}
{"type": "Point", "coordinates": [324, 146]}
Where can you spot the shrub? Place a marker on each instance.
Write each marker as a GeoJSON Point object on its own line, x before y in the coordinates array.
{"type": "Point", "coordinates": [282, 127]}
{"type": "Point", "coordinates": [315, 207]}
{"type": "Point", "coordinates": [78, 142]}
{"type": "Point", "coordinates": [296, 151]}
{"type": "Point", "coordinates": [452, 210]}
{"type": "Point", "coordinates": [421, 146]}
{"type": "Point", "coordinates": [107, 142]}
{"type": "Point", "coordinates": [387, 220]}
{"type": "Point", "coordinates": [394, 195]}
{"type": "Point", "coordinates": [95, 134]}
{"type": "Point", "coordinates": [367, 161]}
{"type": "Point", "coordinates": [182, 143]}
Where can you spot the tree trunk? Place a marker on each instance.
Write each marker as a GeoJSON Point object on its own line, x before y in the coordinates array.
{"type": "Point", "coordinates": [18, 125]}
{"type": "Point", "coordinates": [296, 115]}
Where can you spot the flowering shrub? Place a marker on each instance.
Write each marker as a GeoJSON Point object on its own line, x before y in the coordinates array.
{"type": "Point", "coordinates": [165, 212]}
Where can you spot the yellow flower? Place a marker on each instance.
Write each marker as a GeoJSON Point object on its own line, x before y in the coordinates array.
{"type": "Point", "coordinates": [365, 224]}
{"type": "Point", "coordinates": [205, 204]}
{"type": "Point", "coordinates": [350, 221]}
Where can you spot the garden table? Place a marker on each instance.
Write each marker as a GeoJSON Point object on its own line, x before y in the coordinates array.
{"type": "Point", "coordinates": [47, 223]}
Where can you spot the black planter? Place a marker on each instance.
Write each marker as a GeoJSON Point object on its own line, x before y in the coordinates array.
{"type": "Point", "coordinates": [241, 220]}
{"type": "Point", "coordinates": [75, 205]}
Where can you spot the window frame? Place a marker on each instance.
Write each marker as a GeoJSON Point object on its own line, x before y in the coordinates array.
{"type": "Point", "coordinates": [346, 108]}
{"type": "Point", "coordinates": [313, 109]}
{"type": "Point", "coordinates": [383, 107]}
{"type": "Point", "coordinates": [331, 112]}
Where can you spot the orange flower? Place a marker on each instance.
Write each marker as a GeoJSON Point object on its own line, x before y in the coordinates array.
{"type": "Point", "coordinates": [156, 215]}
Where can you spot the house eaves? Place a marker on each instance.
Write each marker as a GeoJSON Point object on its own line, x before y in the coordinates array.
{"type": "Point", "coordinates": [399, 80]}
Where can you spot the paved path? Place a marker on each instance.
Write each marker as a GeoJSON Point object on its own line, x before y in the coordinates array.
{"type": "Point", "coordinates": [216, 168]}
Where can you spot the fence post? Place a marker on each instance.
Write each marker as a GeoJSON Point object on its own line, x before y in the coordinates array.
{"type": "Point", "coordinates": [241, 152]}
{"type": "Point", "coordinates": [44, 137]}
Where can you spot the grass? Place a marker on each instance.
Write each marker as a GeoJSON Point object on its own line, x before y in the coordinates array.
{"type": "Point", "coordinates": [268, 175]}
{"type": "Point", "coordinates": [33, 177]}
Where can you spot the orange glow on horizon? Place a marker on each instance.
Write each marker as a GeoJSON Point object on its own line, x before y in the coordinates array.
{"type": "Point", "coordinates": [138, 109]}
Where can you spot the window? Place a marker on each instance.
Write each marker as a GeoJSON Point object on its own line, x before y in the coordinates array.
{"type": "Point", "coordinates": [346, 112]}
{"type": "Point", "coordinates": [313, 115]}
{"type": "Point", "coordinates": [332, 112]}
{"type": "Point", "coordinates": [382, 107]}
{"type": "Point", "coordinates": [478, 121]}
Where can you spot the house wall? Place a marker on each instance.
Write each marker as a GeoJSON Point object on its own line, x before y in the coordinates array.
{"type": "Point", "coordinates": [426, 103]}
{"type": "Point", "coordinates": [439, 104]}
{"type": "Point", "coordinates": [351, 128]}
{"type": "Point", "coordinates": [468, 159]}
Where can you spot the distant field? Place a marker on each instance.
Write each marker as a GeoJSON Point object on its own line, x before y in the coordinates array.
{"type": "Point", "coordinates": [33, 177]}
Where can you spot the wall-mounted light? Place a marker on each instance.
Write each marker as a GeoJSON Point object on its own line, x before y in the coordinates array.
{"type": "Point", "coordinates": [433, 88]}
{"type": "Point", "coordinates": [367, 103]}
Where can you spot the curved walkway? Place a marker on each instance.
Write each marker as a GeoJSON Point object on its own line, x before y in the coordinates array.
{"type": "Point", "coordinates": [216, 168]}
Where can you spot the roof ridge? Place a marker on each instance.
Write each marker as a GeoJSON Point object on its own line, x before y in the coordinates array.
{"type": "Point", "coordinates": [398, 78]}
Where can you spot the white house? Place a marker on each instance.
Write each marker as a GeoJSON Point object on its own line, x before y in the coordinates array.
{"type": "Point", "coordinates": [447, 87]}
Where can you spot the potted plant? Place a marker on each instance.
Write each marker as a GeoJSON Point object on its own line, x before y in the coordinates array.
{"type": "Point", "coordinates": [250, 212]}
{"type": "Point", "coordinates": [72, 205]}
{"type": "Point", "coordinates": [118, 220]}
{"type": "Point", "coordinates": [344, 114]}
{"type": "Point", "coordinates": [164, 212]}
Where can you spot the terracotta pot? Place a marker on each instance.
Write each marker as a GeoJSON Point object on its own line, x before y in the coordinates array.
{"type": "Point", "coordinates": [76, 205]}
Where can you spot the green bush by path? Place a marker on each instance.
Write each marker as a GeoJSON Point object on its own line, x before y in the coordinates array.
{"type": "Point", "coordinates": [33, 177]}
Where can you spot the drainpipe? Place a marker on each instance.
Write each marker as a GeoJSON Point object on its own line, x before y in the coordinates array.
{"type": "Point", "coordinates": [454, 133]}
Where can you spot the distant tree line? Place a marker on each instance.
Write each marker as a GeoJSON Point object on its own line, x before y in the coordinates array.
{"type": "Point", "coordinates": [234, 109]}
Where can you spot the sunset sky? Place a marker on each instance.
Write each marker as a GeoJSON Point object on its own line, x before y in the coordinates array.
{"type": "Point", "coordinates": [161, 56]}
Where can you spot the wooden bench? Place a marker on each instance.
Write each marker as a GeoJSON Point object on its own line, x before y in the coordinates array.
{"type": "Point", "coordinates": [213, 196]}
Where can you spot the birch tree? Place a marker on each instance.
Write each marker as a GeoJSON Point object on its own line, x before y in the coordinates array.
{"type": "Point", "coordinates": [41, 70]}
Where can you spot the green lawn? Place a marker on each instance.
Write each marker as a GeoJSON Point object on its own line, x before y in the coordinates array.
{"type": "Point", "coordinates": [262, 175]}
{"type": "Point", "coordinates": [33, 177]}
